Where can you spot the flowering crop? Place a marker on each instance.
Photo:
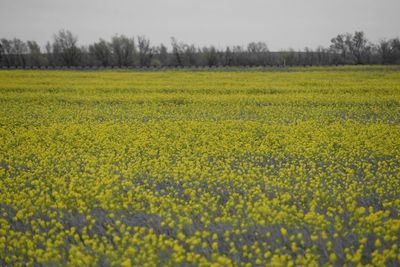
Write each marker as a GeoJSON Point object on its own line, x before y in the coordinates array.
{"type": "Point", "coordinates": [199, 169]}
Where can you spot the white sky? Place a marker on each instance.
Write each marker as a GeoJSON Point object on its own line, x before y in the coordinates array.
{"type": "Point", "coordinates": [279, 23]}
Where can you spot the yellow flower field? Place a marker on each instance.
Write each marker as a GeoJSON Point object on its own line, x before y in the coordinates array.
{"type": "Point", "coordinates": [119, 168]}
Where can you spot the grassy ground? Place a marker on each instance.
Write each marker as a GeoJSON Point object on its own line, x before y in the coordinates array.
{"type": "Point", "coordinates": [200, 168]}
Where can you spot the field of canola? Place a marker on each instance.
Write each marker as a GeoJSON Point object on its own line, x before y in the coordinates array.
{"type": "Point", "coordinates": [118, 168]}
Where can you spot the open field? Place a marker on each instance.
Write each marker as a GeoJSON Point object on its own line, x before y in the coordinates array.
{"type": "Point", "coordinates": [205, 168]}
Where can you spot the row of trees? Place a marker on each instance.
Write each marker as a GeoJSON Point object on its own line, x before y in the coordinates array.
{"type": "Point", "coordinates": [122, 51]}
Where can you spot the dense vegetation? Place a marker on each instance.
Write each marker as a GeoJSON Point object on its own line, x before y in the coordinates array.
{"type": "Point", "coordinates": [185, 169]}
{"type": "Point", "coordinates": [123, 51]}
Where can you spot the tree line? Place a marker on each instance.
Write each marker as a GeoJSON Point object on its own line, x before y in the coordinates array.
{"type": "Point", "coordinates": [123, 51]}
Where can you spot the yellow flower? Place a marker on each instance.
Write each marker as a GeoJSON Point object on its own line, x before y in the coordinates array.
{"type": "Point", "coordinates": [126, 263]}
{"type": "Point", "coordinates": [283, 231]}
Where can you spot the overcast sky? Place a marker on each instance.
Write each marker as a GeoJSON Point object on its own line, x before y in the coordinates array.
{"type": "Point", "coordinates": [279, 23]}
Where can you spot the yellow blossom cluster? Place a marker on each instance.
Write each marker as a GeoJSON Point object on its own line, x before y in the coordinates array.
{"type": "Point", "coordinates": [120, 168]}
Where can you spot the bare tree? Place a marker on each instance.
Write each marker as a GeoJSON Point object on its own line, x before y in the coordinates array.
{"type": "Point", "coordinates": [257, 47]}
{"type": "Point", "coordinates": [210, 56]}
{"type": "Point", "coordinates": [145, 51]}
{"type": "Point", "coordinates": [6, 51]}
{"type": "Point", "coordinates": [65, 48]}
{"type": "Point", "coordinates": [239, 56]}
{"type": "Point", "coordinates": [323, 56]}
{"type": "Point", "coordinates": [101, 51]}
{"type": "Point", "coordinates": [359, 48]}
{"type": "Point", "coordinates": [163, 54]}
{"type": "Point", "coordinates": [190, 55]}
{"type": "Point", "coordinates": [340, 47]}
{"type": "Point", "coordinates": [228, 57]}
{"type": "Point", "coordinates": [86, 57]}
{"type": "Point", "coordinates": [14, 52]}
{"type": "Point", "coordinates": [289, 57]}
{"type": "Point", "coordinates": [51, 59]}
{"type": "Point", "coordinates": [36, 57]}
{"type": "Point", "coordinates": [20, 51]}
{"type": "Point", "coordinates": [308, 56]}
{"type": "Point", "coordinates": [389, 51]}
{"type": "Point", "coordinates": [395, 44]}
{"type": "Point", "coordinates": [1, 53]}
{"type": "Point", "coordinates": [351, 48]}
{"type": "Point", "coordinates": [177, 51]}
{"type": "Point", "coordinates": [258, 53]}
{"type": "Point", "coordinates": [123, 50]}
